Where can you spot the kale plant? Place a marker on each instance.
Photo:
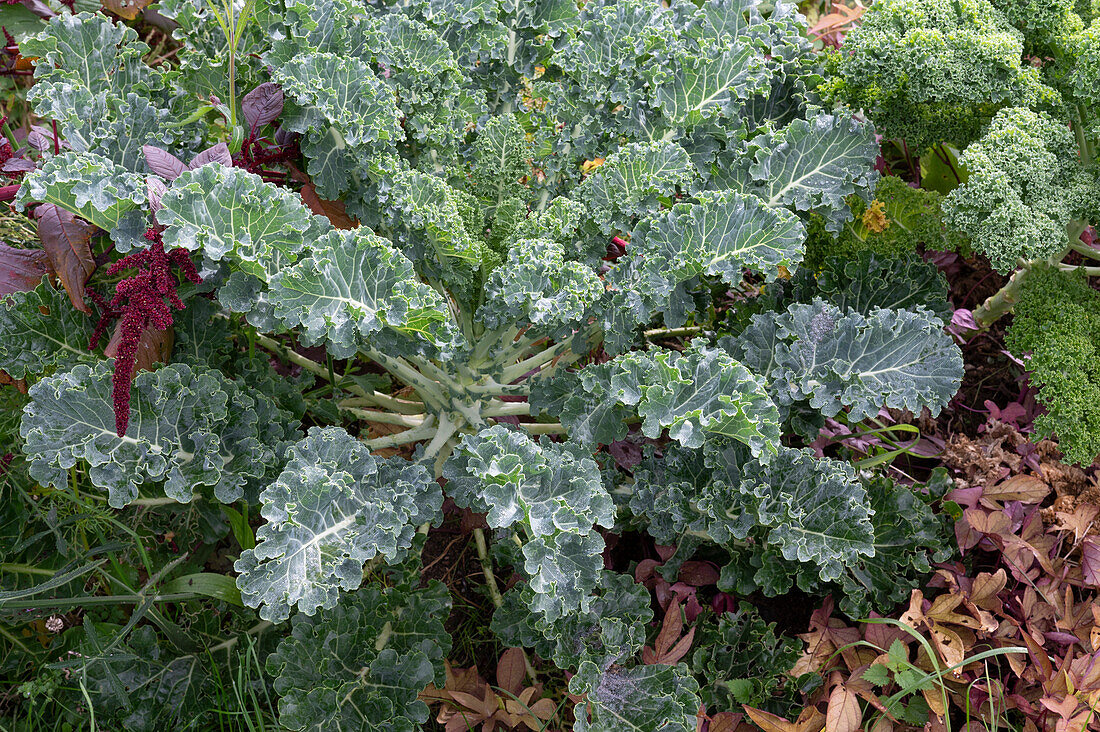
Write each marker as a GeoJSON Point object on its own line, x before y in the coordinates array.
{"type": "Point", "coordinates": [475, 222]}
{"type": "Point", "coordinates": [1013, 85]}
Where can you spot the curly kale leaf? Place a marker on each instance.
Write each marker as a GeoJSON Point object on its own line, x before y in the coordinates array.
{"type": "Point", "coordinates": [610, 630]}
{"type": "Point", "coordinates": [722, 235]}
{"type": "Point", "coordinates": [555, 492]}
{"type": "Point", "coordinates": [809, 165]}
{"type": "Point", "coordinates": [900, 220]}
{"type": "Point", "coordinates": [1056, 328]}
{"type": "Point", "coordinates": [40, 330]}
{"type": "Point", "coordinates": [739, 659]}
{"type": "Point", "coordinates": [1025, 186]}
{"type": "Point", "coordinates": [228, 213]}
{"type": "Point", "coordinates": [655, 698]}
{"type": "Point", "coordinates": [909, 538]}
{"type": "Point", "coordinates": [188, 427]}
{"type": "Point", "coordinates": [894, 358]}
{"type": "Point", "coordinates": [359, 666]}
{"type": "Point", "coordinates": [92, 80]}
{"type": "Point", "coordinates": [868, 281]}
{"type": "Point", "coordinates": [87, 185]}
{"type": "Point", "coordinates": [353, 285]}
{"type": "Point", "coordinates": [539, 285]}
{"type": "Point", "coordinates": [347, 115]}
{"type": "Point", "coordinates": [695, 394]}
{"type": "Point", "coordinates": [334, 507]}
{"type": "Point", "coordinates": [932, 71]}
{"type": "Point", "coordinates": [632, 182]}
{"type": "Point", "coordinates": [549, 487]}
{"type": "Point", "coordinates": [808, 510]}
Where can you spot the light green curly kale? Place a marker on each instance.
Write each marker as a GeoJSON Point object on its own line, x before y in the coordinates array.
{"type": "Point", "coordinates": [1057, 330]}
{"type": "Point", "coordinates": [1025, 187]}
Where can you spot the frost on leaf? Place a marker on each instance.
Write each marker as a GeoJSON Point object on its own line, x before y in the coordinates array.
{"type": "Point", "coordinates": [653, 698]}
{"type": "Point", "coordinates": [695, 394]}
{"type": "Point", "coordinates": [334, 507]}
{"type": "Point", "coordinates": [894, 358]}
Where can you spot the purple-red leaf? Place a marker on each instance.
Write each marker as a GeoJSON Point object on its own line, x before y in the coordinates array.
{"type": "Point", "coordinates": [17, 165]}
{"type": "Point", "coordinates": [21, 269]}
{"type": "Point", "coordinates": [262, 105]}
{"type": "Point", "coordinates": [67, 241]}
{"type": "Point", "coordinates": [217, 154]}
{"type": "Point", "coordinates": [163, 163]}
{"type": "Point", "coordinates": [155, 188]}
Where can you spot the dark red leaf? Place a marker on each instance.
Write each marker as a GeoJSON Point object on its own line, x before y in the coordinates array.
{"type": "Point", "coordinates": [67, 241]}
{"type": "Point", "coordinates": [153, 346]}
{"type": "Point", "coordinates": [163, 163]}
{"type": "Point", "coordinates": [331, 210]}
{"type": "Point", "coordinates": [155, 188]}
{"type": "Point", "coordinates": [698, 574]}
{"type": "Point", "coordinates": [217, 154]}
{"type": "Point", "coordinates": [262, 105]}
{"type": "Point", "coordinates": [22, 269]}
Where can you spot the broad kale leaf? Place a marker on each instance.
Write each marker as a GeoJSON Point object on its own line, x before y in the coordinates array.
{"type": "Point", "coordinates": [333, 507]}
{"type": "Point", "coordinates": [31, 344]}
{"type": "Point", "coordinates": [835, 359]}
{"type": "Point", "coordinates": [361, 664]}
{"type": "Point", "coordinates": [555, 493]}
{"type": "Point", "coordinates": [189, 427]}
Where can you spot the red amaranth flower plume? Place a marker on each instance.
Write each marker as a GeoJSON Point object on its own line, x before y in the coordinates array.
{"type": "Point", "coordinates": [139, 302]}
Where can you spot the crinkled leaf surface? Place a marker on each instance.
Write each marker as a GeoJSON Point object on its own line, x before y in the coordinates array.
{"type": "Point", "coordinates": [694, 393]}
{"type": "Point", "coordinates": [175, 413]}
{"type": "Point", "coordinates": [632, 180]}
{"type": "Point", "coordinates": [359, 666]}
{"type": "Point", "coordinates": [654, 698]}
{"type": "Point", "coordinates": [354, 284]}
{"type": "Point", "coordinates": [228, 213]}
{"type": "Point", "coordinates": [33, 341]}
{"type": "Point", "coordinates": [894, 358]}
{"type": "Point", "coordinates": [333, 507]}
{"type": "Point", "coordinates": [549, 487]}
{"type": "Point", "coordinates": [871, 280]}
{"type": "Point", "coordinates": [555, 491]}
{"type": "Point", "coordinates": [189, 427]}
{"type": "Point", "coordinates": [813, 165]}
{"type": "Point", "coordinates": [540, 285]}
{"type": "Point", "coordinates": [610, 629]}
{"type": "Point", "coordinates": [723, 234]}
{"type": "Point", "coordinates": [87, 185]}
